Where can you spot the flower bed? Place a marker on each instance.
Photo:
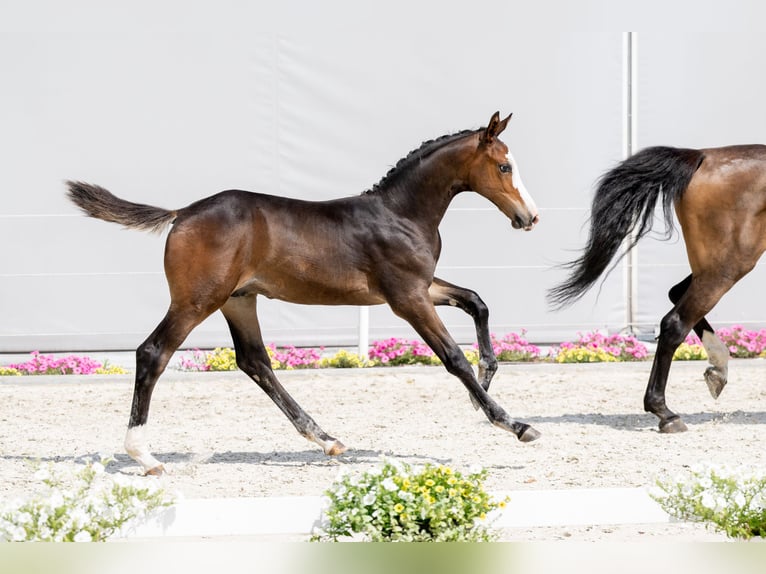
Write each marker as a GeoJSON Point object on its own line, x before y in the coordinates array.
{"type": "Point", "coordinates": [729, 499]}
{"type": "Point", "coordinates": [79, 504]}
{"type": "Point", "coordinates": [590, 347]}
{"type": "Point", "coordinates": [394, 503]}
{"type": "Point", "coordinates": [40, 364]}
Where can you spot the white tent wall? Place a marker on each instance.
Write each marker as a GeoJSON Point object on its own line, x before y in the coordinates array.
{"type": "Point", "coordinates": [168, 102]}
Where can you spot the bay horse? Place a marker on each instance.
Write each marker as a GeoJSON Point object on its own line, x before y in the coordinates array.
{"type": "Point", "coordinates": [378, 247]}
{"type": "Point", "coordinates": [719, 198]}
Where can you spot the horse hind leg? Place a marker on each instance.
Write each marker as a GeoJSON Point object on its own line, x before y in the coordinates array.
{"type": "Point", "coordinates": [716, 376]}
{"type": "Point", "coordinates": [252, 357]}
{"type": "Point", "coordinates": [152, 356]}
{"type": "Point", "coordinates": [697, 300]}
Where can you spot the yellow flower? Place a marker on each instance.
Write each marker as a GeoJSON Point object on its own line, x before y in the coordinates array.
{"type": "Point", "coordinates": [452, 493]}
{"type": "Point", "coordinates": [501, 504]}
{"type": "Point", "coordinates": [439, 488]}
{"type": "Point", "coordinates": [399, 508]}
{"type": "Point", "coordinates": [482, 516]}
{"type": "Point", "coordinates": [430, 482]}
{"type": "Point", "coordinates": [451, 480]}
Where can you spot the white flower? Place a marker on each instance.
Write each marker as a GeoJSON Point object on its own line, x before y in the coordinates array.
{"type": "Point", "coordinates": [708, 500]}
{"type": "Point", "coordinates": [83, 536]}
{"type": "Point", "coordinates": [389, 484]}
{"type": "Point", "coordinates": [369, 498]}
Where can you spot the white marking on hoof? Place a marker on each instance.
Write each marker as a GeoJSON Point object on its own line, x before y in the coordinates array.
{"type": "Point", "coordinates": [138, 450]}
{"type": "Point", "coordinates": [717, 352]}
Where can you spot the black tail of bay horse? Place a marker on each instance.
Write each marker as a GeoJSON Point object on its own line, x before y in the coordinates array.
{"type": "Point", "coordinates": [719, 198]}
{"type": "Point", "coordinates": [379, 247]}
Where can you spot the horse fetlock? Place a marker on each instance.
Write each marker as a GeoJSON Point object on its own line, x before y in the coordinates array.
{"type": "Point", "coordinates": [137, 449]}
{"type": "Point", "coordinates": [487, 370]}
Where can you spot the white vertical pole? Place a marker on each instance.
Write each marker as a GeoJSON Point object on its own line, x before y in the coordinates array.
{"type": "Point", "coordinates": [364, 331]}
{"type": "Point", "coordinates": [629, 147]}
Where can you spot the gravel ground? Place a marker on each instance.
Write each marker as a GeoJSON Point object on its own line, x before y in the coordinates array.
{"type": "Point", "coordinates": [220, 436]}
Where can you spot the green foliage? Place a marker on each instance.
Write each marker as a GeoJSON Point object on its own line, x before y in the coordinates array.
{"type": "Point", "coordinates": [730, 500]}
{"type": "Point", "coordinates": [393, 503]}
{"type": "Point", "coordinates": [83, 505]}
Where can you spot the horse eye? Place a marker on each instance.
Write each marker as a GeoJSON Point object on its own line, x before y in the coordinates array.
{"type": "Point", "coordinates": [505, 168]}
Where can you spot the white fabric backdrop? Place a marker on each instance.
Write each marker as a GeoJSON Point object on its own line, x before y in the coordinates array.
{"type": "Point", "coordinates": [165, 103]}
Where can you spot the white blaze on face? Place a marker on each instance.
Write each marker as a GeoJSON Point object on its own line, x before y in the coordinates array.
{"type": "Point", "coordinates": [519, 185]}
{"type": "Point", "coordinates": [136, 447]}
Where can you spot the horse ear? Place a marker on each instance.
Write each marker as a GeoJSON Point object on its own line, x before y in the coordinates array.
{"type": "Point", "coordinates": [494, 128]}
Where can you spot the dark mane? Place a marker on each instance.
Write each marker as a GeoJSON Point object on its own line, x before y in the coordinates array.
{"type": "Point", "coordinates": [426, 149]}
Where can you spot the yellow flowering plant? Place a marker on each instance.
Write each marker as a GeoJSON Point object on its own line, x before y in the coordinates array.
{"type": "Point", "coordinates": [394, 503]}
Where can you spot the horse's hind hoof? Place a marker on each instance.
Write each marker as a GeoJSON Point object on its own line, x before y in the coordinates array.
{"type": "Point", "coordinates": [336, 449]}
{"type": "Point", "coordinates": [158, 470]}
{"type": "Point", "coordinates": [673, 426]}
{"type": "Point", "coordinates": [529, 435]}
{"type": "Point", "coordinates": [715, 380]}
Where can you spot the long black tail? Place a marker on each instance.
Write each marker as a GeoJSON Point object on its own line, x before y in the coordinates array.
{"type": "Point", "coordinates": [97, 202]}
{"type": "Point", "coordinates": [625, 200]}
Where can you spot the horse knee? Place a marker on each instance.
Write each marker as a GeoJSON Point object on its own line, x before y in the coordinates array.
{"type": "Point", "coordinates": [252, 366]}
{"type": "Point", "coordinates": [455, 362]}
{"type": "Point", "coordinates": [673, 330]}
{"type": "Point", "coordinates": [148, 361]}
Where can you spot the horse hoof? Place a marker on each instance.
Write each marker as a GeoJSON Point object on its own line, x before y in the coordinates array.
{"type": "Point", "coordinates": [715, 380]}
{"type": "Point", "coordinates": [673, 426]}
{"type": "Point", "coordinates": [335, 449]}
{"type": "Point", "coordinates": [529, 435]}
{"type": "Point", "coordinates": [158, 470]}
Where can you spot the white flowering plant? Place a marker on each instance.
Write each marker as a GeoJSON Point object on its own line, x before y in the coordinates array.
{"type": "Point", "coordinates": [394, 503]}
{"type": "Point", "coordinates": [730, 499]}
{"type": "Point", "coordinates": [79, 503]}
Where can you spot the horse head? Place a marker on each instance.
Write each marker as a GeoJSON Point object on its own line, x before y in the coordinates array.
{"type": "Point", "coordinates": [495, 175]}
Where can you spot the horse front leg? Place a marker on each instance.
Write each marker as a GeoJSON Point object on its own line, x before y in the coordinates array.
{"type": "Point", "coordinates": [444, 293]}
{"type": "Point", "coordinates": [716, 376]}
{"type": "Point", "coordinates": [253, 359]}
{"type": "Point", "coordinates": [419, 312]}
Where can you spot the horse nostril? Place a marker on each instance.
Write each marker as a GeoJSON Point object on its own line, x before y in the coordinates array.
{"type": "Point", "coordinates": [535, 220]}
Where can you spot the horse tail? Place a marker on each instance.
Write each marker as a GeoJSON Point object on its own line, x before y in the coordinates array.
{"type": "Point", "coordinates": [97, 202]}
{"type": "Point", "coordinates": [625, 200]}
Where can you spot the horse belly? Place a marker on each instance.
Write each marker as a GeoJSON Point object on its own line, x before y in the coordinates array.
{"type": "Point", "coordinates": [310, 289]}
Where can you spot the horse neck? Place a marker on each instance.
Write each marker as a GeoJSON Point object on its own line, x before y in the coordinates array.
{"type": "Point", "coordinates": [425, 193]}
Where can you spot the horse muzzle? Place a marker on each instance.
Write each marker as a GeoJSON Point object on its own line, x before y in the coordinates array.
{"type": "Point", "coordinates": [527, 224]}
